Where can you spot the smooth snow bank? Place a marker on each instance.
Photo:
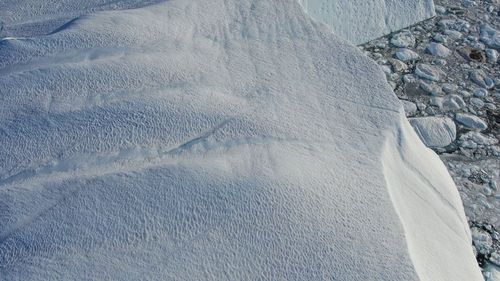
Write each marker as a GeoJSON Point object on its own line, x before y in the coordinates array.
{"type": "Point", "coordinates": [363, 20]}
{"type": "Point", "coordinates": [215, 140]}
{"type": "Point", "coordinates": [408, 164]}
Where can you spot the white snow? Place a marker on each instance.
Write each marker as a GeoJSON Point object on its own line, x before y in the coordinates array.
{"type": "Point", "coordinates": [360, 20]}
{"type": "Point", "coordinates": [214, 140]}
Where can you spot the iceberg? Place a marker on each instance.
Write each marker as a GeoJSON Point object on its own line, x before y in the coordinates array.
{"type": "Point", "coordinates": [360, 21]}
{"type": "Point", "coordinates": [215, 140]}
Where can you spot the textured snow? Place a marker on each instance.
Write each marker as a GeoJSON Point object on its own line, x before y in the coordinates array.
{"type": "Point", "coordinates": [214, 140]}
{"type": "Point", "coordinates": [360, 20]}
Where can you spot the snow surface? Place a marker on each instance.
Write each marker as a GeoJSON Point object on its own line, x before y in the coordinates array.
{"type": "Point", "coordinates": [214, 140]}
{"type": "Point", "coordinates": [39, 17]}
{"type": "Point", "coordinates": [361, 21]}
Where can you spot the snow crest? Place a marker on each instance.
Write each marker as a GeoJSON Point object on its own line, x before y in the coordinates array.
{"type": "Point", "coordinates": [214, 140]}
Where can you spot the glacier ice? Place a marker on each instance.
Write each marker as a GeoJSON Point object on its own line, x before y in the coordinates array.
{"type": "Point", "coordinates": [214, 140]}
{"type": "Point", "coordinates": [360, 21]}
{"type": "Point", "coordinates": [356, 20]}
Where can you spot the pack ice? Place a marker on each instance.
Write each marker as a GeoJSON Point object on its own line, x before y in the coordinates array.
{"type": "Point", "coordinates": [214, 140]}
{"type": "Point", "coordinates": [363, 20]}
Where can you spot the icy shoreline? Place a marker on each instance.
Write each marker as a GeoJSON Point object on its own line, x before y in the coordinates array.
{"type": "Point", "coordinates": [455, 106]}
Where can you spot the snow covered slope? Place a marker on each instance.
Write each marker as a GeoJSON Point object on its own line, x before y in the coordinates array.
{"type": "Point", "coordinates": [215, 140]}
{"type": "Point", "coordinates": [363, 20]}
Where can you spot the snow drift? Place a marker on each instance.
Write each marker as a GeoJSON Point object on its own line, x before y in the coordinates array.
{"type": "Point", "coordinates": [215, 140]}
{"type": "Point", "coordinates": [361, 21]}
